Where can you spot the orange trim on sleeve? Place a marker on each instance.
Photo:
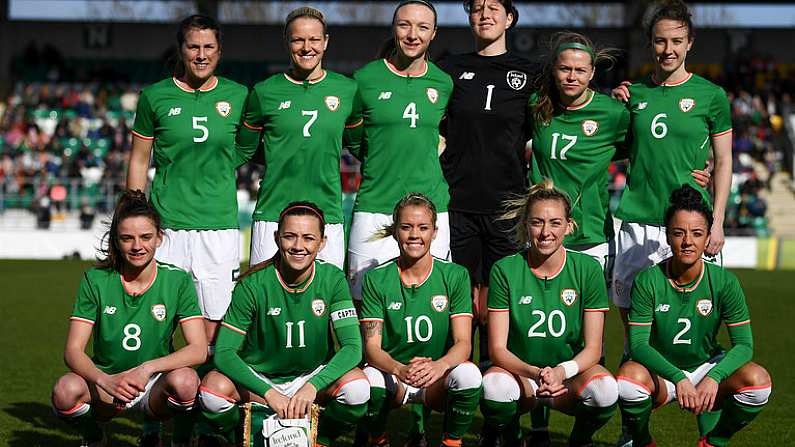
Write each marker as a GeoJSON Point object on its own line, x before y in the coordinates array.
{"type": "Point", "coordinates": [631, 323]}
{"type": "Point", "coordinates": [720, 133]}
{"type": "Point", "coordinates": [81, 320]}
{"type": "Point", "coordinates": [491, 309]}
{"type": "Point", "coordinates": [195, 317]}
{"type": "Point", "coordinates": [230, 327]}
{"type": "Point", "coordinates": [739, 323]}
{"type": "Point", "coordinates": [603, 309]}
{"type": "Point", "coordinates": [141, 136]}
{"type": "Point", "coordinates": [467, 315]}
{"type": "Point", "coordinates": [370, 320]}
{"type": "Point", "coordinates": [251, 127]}
{"type": "Point", "coordinates": [356, 124]}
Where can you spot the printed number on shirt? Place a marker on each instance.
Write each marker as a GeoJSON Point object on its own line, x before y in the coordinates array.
{"type": "Point", "coordinates": [132, 337]}
{"type": "Point", "coordinates": [678, 340]}
{"type": "Point", "coordinates": [312, 114]}
{"type": "Point", "coordinates": [410, 113]}
{"type": "Point", "coordinates": [489, 91]}
{"type": "Point", "coordinates": [658, 127]}
{"type": "Point", "coordinates": [289, 336]}
{"type": "Point", "coordinates": [197, 120]}
{"type": "Point", "coordinates": [570, 141]}
{"type": "Point", "coordinates": [421, 330]}
{"type": "Point", "coordinates": [556, 324]}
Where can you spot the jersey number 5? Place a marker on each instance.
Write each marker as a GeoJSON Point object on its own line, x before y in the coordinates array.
{"type": "Point", "coordinates": [201, 128]}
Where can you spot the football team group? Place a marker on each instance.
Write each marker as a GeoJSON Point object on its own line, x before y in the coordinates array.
{"type": "Point", "coordinates": [453, 234]}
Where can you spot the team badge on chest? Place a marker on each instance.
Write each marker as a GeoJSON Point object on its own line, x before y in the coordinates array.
{"type": "Point", "coordinates": [223, 108]}
{"type": "Point", "coordinates": [433, 94]}
{"type": "Point", "coordinates": [439, 303]}
{"type": "Point", "coordinates": [332, 102]}
{"type": "Point", "coordinates": [704, 307]}
{"type": "Point", "coordinates": [589, 127]}
{"type": "Point", "coordinates": [687, 104]}
{"type": "Point", "coordinates": [516, 79]}
{"type": "Point", "coordinates": [318, 307]}
{"type": "Point", "coordinates": [159, 312]}
{"type": "Point", "coordinates": [568, 296]}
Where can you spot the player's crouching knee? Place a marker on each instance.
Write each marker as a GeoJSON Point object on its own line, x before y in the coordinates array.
{"type": "Point", "coordinates": [375, 377]}
{"type": "Point", "coordinates": [214, 402]}
{"type": "Point", "coordinates": [465, 376]}
{"type": "Point", "coordinates": [182, 385]}
{"type": "Point", "coordinates": [500, 387]}
{"type": "Point", "coordinates": [353, 392]}
{"type": "Point", "coordinates": [600, 391]}
{"type": "Point", "coordinates": [758, 387]}
{"type": "Point", "coordinates": [632, 391]}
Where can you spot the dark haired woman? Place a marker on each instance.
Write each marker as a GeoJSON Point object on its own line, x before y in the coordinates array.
{"type": "Point", "coordinates": [678, 307]}
{"type": "Point", "coordinates": [190, 120]}
{"type": "Point", "coordinates": [546, 324]}
{"type": "Point", "coordinates": [132, 305]}
{"type": "Point", "coordinates": [417, 325]}
{"type": "Point", "coordinates": [275, 345]}
{"type": "Point", "coordinates": [301, 115]}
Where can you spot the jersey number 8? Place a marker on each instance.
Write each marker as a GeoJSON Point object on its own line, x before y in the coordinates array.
{"type": "Point", "coordinates": [132, 337]}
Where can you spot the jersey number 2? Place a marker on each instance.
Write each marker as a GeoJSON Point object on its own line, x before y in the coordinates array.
{"type": "Point", "coordinates": [678, 340]}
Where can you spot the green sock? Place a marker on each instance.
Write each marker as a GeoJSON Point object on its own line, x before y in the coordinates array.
{"type": "Point", "coordinates": [587, 420]}
{"type": "Point", "coordinates": [539, 418]}
{"type": "Point", "coordinates": [734, 417]}
{"type": "Point", "coordinates": [86, 425]}
{"type": "Point", "coordinates": [419, 414]}
{"type": "Point", "coordinates": [337, 419]}
{"type": "Point", "coordinates": [151, 426]}
{"type": "Point", "coordinates": [707, 421]}
{"type": "Point", "coordinates": [224, 424]}
{"type": "Point", "coordinates": [498, 415]}
{"type": "Point", "coordinates": [461, 407]}
{"type": "Point", "coordinates": [183, 425]}
{"type": "Point", "coordinates": [374, 419]}
{"type": "Point", "coordinates": [635, 416]}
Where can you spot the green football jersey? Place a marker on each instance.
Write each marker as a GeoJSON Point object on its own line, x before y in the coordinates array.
{"type": "Point", "coordinates": [416, 318]}
{"type": "Point", "coordinates": [685, 320]}
{"type": "Point", "coordinates": [546, 314]}
{"type": "Point", "coordinates": [671, 126]}
{"type": "Point", "coordinates": [303, 124]}
{"type": "Point", "coordinates": [193, 135]}
{"type": "Point", "coordinates": [131, 329]}
{"type": "Point", "coordinates": [575, 151]}
{"type": "Point", "coordinates": [288, 331]}
{"type": "Point", "coordinates": [400, 135]}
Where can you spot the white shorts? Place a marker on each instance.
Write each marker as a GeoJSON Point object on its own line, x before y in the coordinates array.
{"type": "Point", "coordinates": [604, 254]}
{"type": "Point", "coordinates": [639, 246]}
{"type": "Point", "coordinates": [365, 254]}
{"type": "Point", "coordinates": [141, 402]}
{"type": "Point", "coordinates": [212, 257]}
{"type": "Point", "coordinates": [263, 244]}
{"type": "Point", "coordinates": [695, 377]}
{"type": "Point", "coordinates": [290, 388]}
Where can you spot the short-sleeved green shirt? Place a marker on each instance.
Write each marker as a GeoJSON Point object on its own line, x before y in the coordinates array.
{"type": "Point", "coordinates": [546, 314]}
{"type": "Point", "coordinates": [574, 150]}
{"type": "Point", "coordinates": [302, 124]}
{"type": "Point", "coordinates": [400, 135]}
{"type": "Point", "coordinates": [129, 330]}
{"type": "Point", "coordinates": [685, 320]}
{"type": "Point", "coordinates": [671, 126]}
{"type": "Point", "coordinates": [288, 331]}
{"type": "Point", "coordinates": [416, 318]}
{"type": "Point", "coordinates": [193, 135]}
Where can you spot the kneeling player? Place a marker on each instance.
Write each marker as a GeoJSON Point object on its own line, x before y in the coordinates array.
{"type": "Point", "coordinates": [546, 319]}
{"type": "Point", "coordinates": [417, 322]}
{"type": "Point", "coordinates": [133, 304]}
{"type": "Point", "coordinates": [275, 346]}
{"type": "Point", "coordinates": [677, 309]}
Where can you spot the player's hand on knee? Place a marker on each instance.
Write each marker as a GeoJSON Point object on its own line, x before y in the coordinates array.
{"type": "Point", "coordinates": [138, 377]}
{"type": "Point", "coordinates": [621, 92]}
{"type": "Point", "coordinates": [707, 389]}
{"type": "Point", "coordinates": [301, 402]}
{"type": "Point", "coordinates": [686, 394]}
{"type": "Point", "coordinates": [277, 402]}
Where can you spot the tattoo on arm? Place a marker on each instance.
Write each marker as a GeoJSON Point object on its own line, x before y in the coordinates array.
{"type": "Point", "coordinates": [371, 328]}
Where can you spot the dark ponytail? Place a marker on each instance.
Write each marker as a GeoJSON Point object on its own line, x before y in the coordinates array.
{"type": "Point", "coordinates": [130, 204]}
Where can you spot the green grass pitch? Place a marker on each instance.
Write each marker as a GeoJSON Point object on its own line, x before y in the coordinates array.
{"type": "Point", "coordinates": [37, 297]}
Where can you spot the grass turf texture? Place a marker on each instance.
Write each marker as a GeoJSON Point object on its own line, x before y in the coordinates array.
{"type": "Point", "coordinates": [37, 297]}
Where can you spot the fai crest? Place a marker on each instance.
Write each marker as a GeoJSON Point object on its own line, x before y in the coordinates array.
{"type": "Point", "coordinates": [568, 296]}
{"type": "Point", "coordinates": [223, 108]}
{"type": "Point", "coordinates": [439, 303]}
{"type": "Point", "coordinates": [704, 307]}
{"type": "Point", "coordinates": [433, 94]}
{"type": "Point", "coordinates": [318, 307]}
{"type": "Point", "coordinates": [332, 102]}
{"type": "Point", "coordinates": [516, 79]}
{"type": "Point", "coordinates": [159, 312]}
{"type": "Point", "coordinates": [687, 104]}
{"type": "Point", "coordinates": [589, 127]}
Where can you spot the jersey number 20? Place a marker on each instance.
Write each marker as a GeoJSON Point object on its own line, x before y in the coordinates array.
{"type": "Point", "coordinates": [556, 324]}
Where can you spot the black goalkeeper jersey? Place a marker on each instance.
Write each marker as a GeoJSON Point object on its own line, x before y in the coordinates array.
{"type": "Point", "coordinates": [486, 130]}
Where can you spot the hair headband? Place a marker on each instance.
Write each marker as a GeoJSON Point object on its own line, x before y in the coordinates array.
{"type": "Point", "coordinates": [418, 2]}
{"type": "Point", "coordinates": [295, 207]}
{"type": "Point", "coordinates": [574, 46]}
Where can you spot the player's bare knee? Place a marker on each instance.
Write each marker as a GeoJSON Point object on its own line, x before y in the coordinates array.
{"type": "Point", "coordinates": [757, 385]}
{"type": "Point", "coordinates": [182, 385]}
{"type": "Point", "coordinates": [465, 376]}
{"type": "Point", "coordinates": [601, 390]}
{"type": "Point", "coordinates": [755, 375]}
{"type": "Point", "coordinates": [500, 386]}
{"type": "Point", "coordinates": [67, 391]}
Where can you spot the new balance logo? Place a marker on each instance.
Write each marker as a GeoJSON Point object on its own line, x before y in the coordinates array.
{"type": "Point", "coordinates": [274, 311]}
{"type": "Point", "coordinates": [467, 75]}
{"type": "Point", "coordinates": [174, 111]}
{"type": "Point", "coordinates": [110, 310]}
{"type": "Point", "coordinates": [642, 105]}
{"type": "Point", "coordinates": [285, 105]}
{"type": "Point", "coordinates": [526, 300]}
{"type": "Point", "coordinates": [385, 95]}
{"type": "Point", "coordinates": [394, 306]}
{"type": "Point", "coordinates": [663, 308]}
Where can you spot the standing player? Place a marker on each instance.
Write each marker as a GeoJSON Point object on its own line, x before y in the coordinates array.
{"type": "Point", "coordinates": [546, 320]}
{"type": "Point", "coordinates": [276, 346]}
{"type": "Point", "coordinates": [190, 121]}
{"type": "Point", "coordinates": [417, 324]}
{"type": "Point", "coordinates": [402, 99]}
{"type": "Point", "coordinates": [685, 114]}
{"type": "Point", "coordinates": [677, 309]}
{"type": "Point", "coordinates": [131, 304]}
{"type": "Point", "coordinates": [302, 115]}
